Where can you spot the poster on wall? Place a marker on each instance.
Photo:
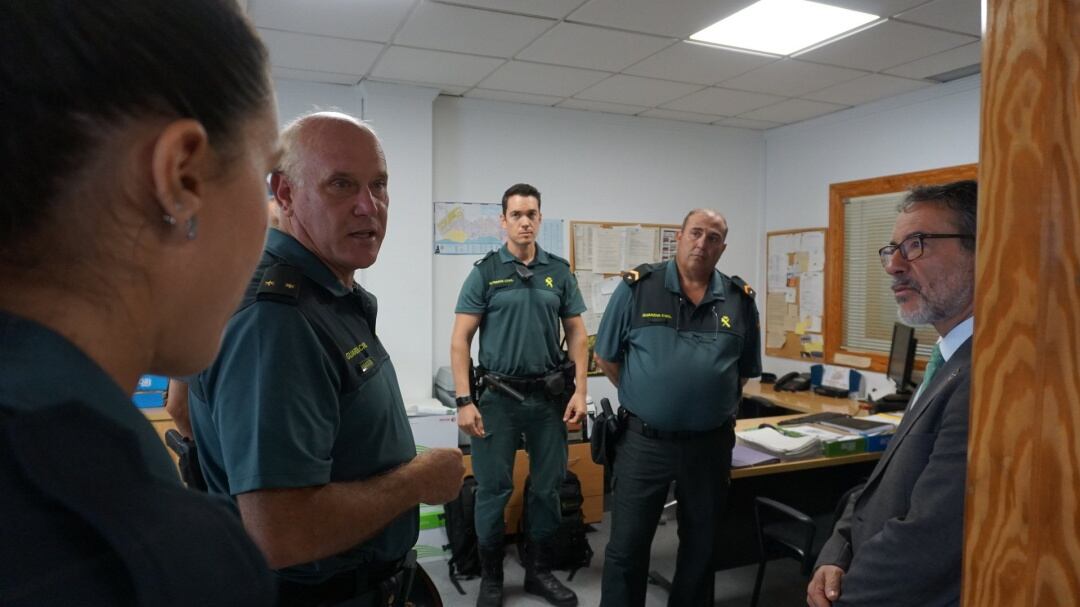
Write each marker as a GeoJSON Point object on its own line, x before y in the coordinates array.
{"type": "Point", "coordinates": [474, 228]}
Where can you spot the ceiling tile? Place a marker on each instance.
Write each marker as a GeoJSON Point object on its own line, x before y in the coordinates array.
{"type": "Point", "coordinates": [722, 102]}
{"type": "Point", "coordinates": [697, 63]}
{"type": "Point", "coordinates": [467, 30]}
{"type": "Point", "coordinates": [887, 45]}
{"type": "Point", "coordinates": [792, 110]}
{"type": "Point", "coordinates": [676, 19]}
{"type": "Point", "coordinates": [601, 106]}
{"type": "Point", "coordinates": [791, 78]}
{"type": "Point", "coordinates": [881, 8]}
{"type": "Point", "coordinates": [319, 53]}
{"type": "Point", "coordinates": [743, 123]}
{"type": "Point", "coordinates": [374, 20]}
{"type": "Point", "coordinates": [682, 116]}
{"type": "Point", "coordinates": [940, 63]}
{"type": "Point", "coordinates": [536, 78]}
{"type": "Point", "coordinates": [444, 89]}
{"type": "Point", "coordinates": [313, 76]}
{"type": "Point", "coordinates": [513, 97]}
{"type": "Point", "coordinates": [416, 65]}
{"type": "Point", "coordinates": [556, 9]}
{"type": "Point", "coordinates": [957, 15]}
{"type": "Point", "coordinates": [637, 91]}
{"type": "Point", "coordinates": [866, 89]}
{"type": "Point", "coordinates": [592, 47]}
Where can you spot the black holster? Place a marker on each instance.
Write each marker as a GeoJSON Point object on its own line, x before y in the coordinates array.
{"type": "Point", "coordinates": [559, 384]}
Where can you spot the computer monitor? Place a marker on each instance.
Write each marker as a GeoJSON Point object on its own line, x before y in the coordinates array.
{"type": "Point", "coordinates": [902, 357]}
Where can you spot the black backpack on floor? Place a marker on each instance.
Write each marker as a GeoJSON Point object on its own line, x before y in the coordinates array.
{"type": "Point", "coordinates": [461, 531]}
{"type": "Point", "coordinates": [569, 547]}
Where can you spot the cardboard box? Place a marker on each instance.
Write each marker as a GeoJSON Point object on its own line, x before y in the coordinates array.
{"type": "Point", "coordinates": [429, 545]}
{"type": "Point", "coordinates": [433, 431]}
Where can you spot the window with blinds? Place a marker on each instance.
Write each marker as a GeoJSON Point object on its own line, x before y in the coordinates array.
{"type": "Point", "coordinates": [869, 307]}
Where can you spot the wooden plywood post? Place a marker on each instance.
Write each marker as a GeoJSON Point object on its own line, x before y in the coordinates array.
{"type": "Point", "coordinates": [1022, 526]}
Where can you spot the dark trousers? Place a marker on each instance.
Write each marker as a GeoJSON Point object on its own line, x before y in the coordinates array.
{"type": "Point", "coordinates": [493, 463]}
{"type": "Point", "coordinates": [644, 467]}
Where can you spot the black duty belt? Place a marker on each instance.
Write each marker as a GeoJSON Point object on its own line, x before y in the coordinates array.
{"type": "Point", "coordinates": [351, 584]}
{"type": "Point", "coordinates": [638, 426]}
{"type": "Point", "coordinates": [521, 384]}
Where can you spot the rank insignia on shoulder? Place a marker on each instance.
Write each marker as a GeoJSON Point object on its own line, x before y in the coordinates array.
{"type": "Point", "coordinates": [745, 288]}
{"type": "Point", "coordinates": [280, 282]}
{"type": "Point", "coordinates": [633, 276]}
{"type": "Point", "coordinates": [484, 258]}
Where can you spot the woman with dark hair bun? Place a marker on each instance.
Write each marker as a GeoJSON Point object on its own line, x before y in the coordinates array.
{"type": "Point", "coordinates": [137, 136]}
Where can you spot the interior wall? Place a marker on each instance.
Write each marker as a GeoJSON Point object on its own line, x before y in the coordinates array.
{"type": "Point", "coordinates": [593, 167]}
{"type": "Point", "coordinates": [597, 167]}
{"type": "Point", "coordinates": [926, 129]}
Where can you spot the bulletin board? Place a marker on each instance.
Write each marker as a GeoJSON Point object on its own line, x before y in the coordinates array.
{"type": "Point", "coordinates": [795, 294]}
{"type": "Point", "coordinates": [600, 250]}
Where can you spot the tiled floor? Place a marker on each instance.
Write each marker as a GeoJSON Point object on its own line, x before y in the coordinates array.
{"type": "Point", "coordinates": [783, 586]}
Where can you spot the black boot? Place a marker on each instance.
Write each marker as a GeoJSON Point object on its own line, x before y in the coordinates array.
{"type": "Point", "coordinates": [491, 577]}
{"type": "Point", "coordinates": [540, 581]}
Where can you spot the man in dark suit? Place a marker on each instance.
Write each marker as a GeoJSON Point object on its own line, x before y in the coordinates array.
{"type": "Point", "coordinates": [900, 539]}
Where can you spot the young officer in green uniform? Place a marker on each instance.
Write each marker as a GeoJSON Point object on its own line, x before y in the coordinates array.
{"type": "Point", "coordinates": [517, 297]}
{"type": "Point", "coordinates": [300, 418]}
{"type": "Point", "coordinates": [679, 339]}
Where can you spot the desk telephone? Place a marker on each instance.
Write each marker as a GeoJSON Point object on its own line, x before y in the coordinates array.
{"type": "Point", "coordinates": [793, 382]}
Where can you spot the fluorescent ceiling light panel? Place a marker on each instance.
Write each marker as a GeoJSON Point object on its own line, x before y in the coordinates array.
{"type": "Point", "coordinates": [782, 27]}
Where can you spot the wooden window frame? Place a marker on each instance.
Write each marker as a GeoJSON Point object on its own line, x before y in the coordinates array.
{"type": "Point", "coordinates": [834, 243]}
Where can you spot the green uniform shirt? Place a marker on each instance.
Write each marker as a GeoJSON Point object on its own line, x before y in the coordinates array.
{"type": "Point", "coordinates": [519, 331]}
{"type": "Point", "coordinates": [303, 394]}
{"type": "Point", "coordinates": [39, 368]}
{"type": "Point", "coordinates": [681, 363]}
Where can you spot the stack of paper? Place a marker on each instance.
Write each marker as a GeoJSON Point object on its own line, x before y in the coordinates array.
{"type": "Point", "coordinates": [786, 445]}
{"type": "Point", "coordinates": [861, 425]}
{"type": "Point", "coordinates": [743, 456]}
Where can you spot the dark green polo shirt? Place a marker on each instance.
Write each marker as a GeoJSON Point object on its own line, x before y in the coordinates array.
{"type": "Point", "coordinates": [40, 368]}
{"type": "Point", "coordinates": [681, 363]}
{"type": "Point", "coordinates": [519, 331]}
{"type": "Point", "coordinates": [304, 394]}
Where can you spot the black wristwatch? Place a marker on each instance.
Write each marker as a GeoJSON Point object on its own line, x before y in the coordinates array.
{"type": "Point", "coordinates": [461, 401]}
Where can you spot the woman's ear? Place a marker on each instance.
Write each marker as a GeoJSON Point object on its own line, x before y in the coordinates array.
{"type": "Point", "coordinates": [181, 163]}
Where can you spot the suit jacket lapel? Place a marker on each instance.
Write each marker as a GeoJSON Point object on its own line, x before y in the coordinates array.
{"type": "Point", "coordinates": [948, 373]}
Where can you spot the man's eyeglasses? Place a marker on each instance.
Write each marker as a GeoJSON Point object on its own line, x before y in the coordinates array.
{"type": "Point", "coordinates": [913, 246]}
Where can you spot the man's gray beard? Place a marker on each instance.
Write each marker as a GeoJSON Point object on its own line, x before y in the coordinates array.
{"type": "Point", "coordinates": [954, 298]}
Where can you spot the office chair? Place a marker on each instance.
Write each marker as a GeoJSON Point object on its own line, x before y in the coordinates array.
{"type": "Point", "coordinates": [792, 533]}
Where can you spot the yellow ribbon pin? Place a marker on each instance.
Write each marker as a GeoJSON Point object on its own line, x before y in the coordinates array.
{"type": "Point", "coordinates": [550, 283]}
{"type": "Point", "coordinates": [726, 321]}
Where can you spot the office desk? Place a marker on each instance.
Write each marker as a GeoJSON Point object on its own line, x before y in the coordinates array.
{"type": "Point", "coordinates": [812, 485]}
{"type": "Point", "coordinates": [798, 464]}
{"type": "Point", "coordinates": [807, 401]}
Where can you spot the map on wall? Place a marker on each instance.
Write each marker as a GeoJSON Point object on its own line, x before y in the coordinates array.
{"type": "Point", "coordinates": [473, 228]}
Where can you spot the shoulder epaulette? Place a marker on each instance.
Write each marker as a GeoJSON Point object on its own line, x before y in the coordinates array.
{"type": "Point", "coordinates": [280, 282]}
{"type": "Point", "coordinates": [484, 258]}
{"type": "Point", "coordinates": [559, 259]}
{"type": "Point", "coordinates": [742, 286]}
{"type": "Point", "coordinates": [632, 276]}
